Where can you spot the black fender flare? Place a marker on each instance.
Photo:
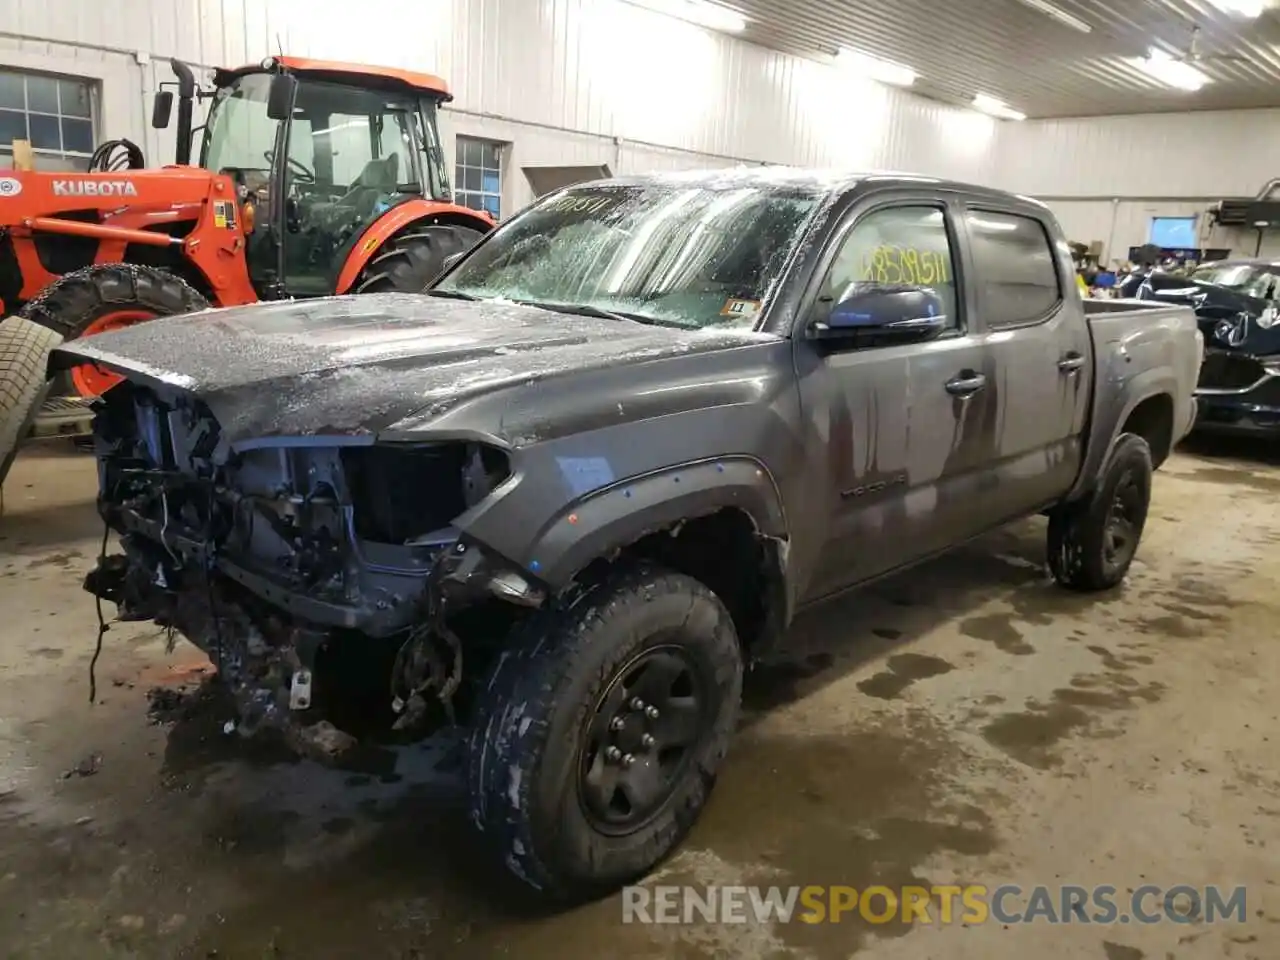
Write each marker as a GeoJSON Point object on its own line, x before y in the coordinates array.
{"type": "Point", "coordinates": [1106, 429]}
{"type": "Point", "coordinates": [613, 517]}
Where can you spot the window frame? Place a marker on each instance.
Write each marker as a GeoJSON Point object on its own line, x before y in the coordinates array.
{"type": "Point", "coordinates": [92, 87]}
{"type": "Point", "coordinates": [858, 214]}
{"type": "Point", "coordinates": [1054, 259]}
{"type": "Point", "coordinates": [461, 194]}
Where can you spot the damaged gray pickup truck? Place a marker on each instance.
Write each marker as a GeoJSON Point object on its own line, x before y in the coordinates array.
{"type": "Point", "coordinates": [563, 497]}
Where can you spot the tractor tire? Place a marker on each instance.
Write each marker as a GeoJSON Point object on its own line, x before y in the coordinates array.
{"type": "Point", "coordinates": [108, 296]}
{"type": "Point", "coordinates": [576, 798]}
{"type": "Point", "coordinates": [1092, 542]}
{"type": "Point", "coordinates": [24, 353]}
{"type": "Point", "coordinates": [411, 260]}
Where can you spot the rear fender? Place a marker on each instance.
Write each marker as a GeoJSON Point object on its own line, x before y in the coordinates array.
{"type": "Point", "coordinates": [607, 520]}
{"type": "Point", "coordinates": [1113, 403]}
{"type": "Point", "coordinates": [398, 218]}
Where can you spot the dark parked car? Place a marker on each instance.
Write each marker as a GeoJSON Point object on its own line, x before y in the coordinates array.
{"type": "Point", "coordinates": [566, 496]}
{"type": "Point", "coordinates": [1237, 303]}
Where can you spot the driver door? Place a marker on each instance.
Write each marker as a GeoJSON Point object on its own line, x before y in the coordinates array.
{"type": "Point", "coordinates": [347, 156]}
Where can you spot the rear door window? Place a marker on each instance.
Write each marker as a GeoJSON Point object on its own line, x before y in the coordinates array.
{"type": "Point", "coordinates": [1015, 270]}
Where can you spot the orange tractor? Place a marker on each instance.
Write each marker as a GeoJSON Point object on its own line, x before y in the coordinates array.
{"type": "Point", "coordinates": [314, 178]}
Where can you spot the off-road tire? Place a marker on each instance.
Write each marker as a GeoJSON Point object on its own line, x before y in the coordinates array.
{"type": "Point", "coordinates": [74, 301]}
{"type": "Point", "coordinates": [1077, 552]}
{"type": "Point", "coordinates": [411, 260]}
{"type": "Point", "coordinates": [24, 354]}
{"type": "Point", "coordinates": [532, 719]}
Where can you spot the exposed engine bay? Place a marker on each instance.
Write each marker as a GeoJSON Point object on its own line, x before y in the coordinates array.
{"type": "Point", "coordinates": [269, 557]}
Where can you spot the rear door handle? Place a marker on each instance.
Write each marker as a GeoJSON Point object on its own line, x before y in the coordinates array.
{"type": "Point", "coordinates": [966, 384]}
{"type": "Point", "coordinates": [1071, 362]}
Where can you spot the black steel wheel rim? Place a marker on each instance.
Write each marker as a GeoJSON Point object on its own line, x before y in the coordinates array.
{"type": "Point", "coordinates": [1124, 521]}
{"type": "Point", "coordinates": [644, 732]}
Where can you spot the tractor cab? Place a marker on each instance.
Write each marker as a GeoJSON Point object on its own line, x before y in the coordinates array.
{"type": "Point", "coordinates": [320, 152]}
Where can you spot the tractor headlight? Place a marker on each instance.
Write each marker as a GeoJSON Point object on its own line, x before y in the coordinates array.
{"type": "Point", "coordinates": [247, 214]}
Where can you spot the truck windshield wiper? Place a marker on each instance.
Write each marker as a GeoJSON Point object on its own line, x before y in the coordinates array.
{"type": "Point", "coordinates": [587, 310]}
{"type": "Point", "coordinates": [451, 294]}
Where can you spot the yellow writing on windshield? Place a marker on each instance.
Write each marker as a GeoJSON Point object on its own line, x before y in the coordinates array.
{"type": "Point", "coordinates": [890, 263]}
{"type": "Point", "coordinates": [580, 204]}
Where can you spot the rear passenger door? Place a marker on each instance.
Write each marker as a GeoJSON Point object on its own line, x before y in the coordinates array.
{"type": "Point", "coordinates": [1040, 355]}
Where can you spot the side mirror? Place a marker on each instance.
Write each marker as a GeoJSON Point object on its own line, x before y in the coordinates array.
{"type": "Point", "coordinates": [280, 97]}
{"type": "Point", "coordinates": [884, 313]}
{"type": "Point", "coordinates": [162, 109]}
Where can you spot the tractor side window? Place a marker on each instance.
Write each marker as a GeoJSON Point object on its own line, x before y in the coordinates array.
{"type": "Point", "coordinates": [352, 156]}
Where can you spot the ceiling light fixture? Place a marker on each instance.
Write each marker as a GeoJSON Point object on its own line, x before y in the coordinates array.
{"type": "Point", "coordinates": [1067, 19]}
{"type": "Point", "coordinates": [997, 108]}
{"type": "Point", "coordinates": [873, 68]}
{"type": "Point", "coordinates": [1241, 8]}
{"type": "Point", "coordinates": [1159, 66]}
{"type": "Point", "coordinates": [713, 16]}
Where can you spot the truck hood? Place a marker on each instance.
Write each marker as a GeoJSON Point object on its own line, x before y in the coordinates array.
{"type": "Point", "coordinates": [362, 365]}
{"type": "Point", "coordinates": [1227, 318]}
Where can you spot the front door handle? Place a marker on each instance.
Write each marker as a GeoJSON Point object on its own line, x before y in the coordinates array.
{"type": "Point", "coordinates": [1071, 362]}
{"type": "Point", "coordinates": [966, 384]}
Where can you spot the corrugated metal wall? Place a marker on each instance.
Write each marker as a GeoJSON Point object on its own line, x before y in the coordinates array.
{"type": "Point", "coordinates": [1107, 177]}
{"type": "Point", "coordinates": [564, 81]}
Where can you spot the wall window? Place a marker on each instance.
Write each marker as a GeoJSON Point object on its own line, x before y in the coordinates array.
{"type": "Point", "coordinates": [54, 113]}
{"type": "Point", "coordinates": [1015, 268]}
{"type": "Point", "coordinates": [897, 245]}
{"type": "Point", "coordinates": [1176, 232]}
{"type": "Point", "coordinates": [477, 176]}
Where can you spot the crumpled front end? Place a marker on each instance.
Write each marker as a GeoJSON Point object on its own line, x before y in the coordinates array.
{"type": "Point", "coordinates": [278, 558]}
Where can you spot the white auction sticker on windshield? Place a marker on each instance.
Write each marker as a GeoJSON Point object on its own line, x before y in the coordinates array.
{"type": "Point", "coordinates": [740, 308]}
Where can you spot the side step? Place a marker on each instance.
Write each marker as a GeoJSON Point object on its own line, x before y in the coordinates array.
{"type": "Point", "coordinates": [63, 417]}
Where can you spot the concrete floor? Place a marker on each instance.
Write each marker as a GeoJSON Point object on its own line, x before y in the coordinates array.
{"type": "Point", "coordinates": [965, 722]}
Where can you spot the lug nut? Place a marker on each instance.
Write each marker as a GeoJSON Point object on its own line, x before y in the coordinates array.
{"type": "Point", "coordinates": [637, 704]}
{"type": "Point", "coordinates": [651, 713]}
{"type": "Point", "coordinates": [612, 754]}
{"type": "Point", "coordinates": [617, 723]}
{"type": "Point", "coordinates": [628, 759]}
{"type": "Point", "coordinates": [646, 741]}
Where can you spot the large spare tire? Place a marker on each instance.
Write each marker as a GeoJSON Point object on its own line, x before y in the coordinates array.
{"type": "Point", "coordinates": [24, 355]}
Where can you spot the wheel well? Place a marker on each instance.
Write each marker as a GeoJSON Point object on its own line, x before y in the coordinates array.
{"type": "Point", "coordinates": [725, 552]}
{"type": "Point", "coordinates": [1152, 420]}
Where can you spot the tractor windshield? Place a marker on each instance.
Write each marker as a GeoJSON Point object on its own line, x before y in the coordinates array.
{"type": "Point", "coordinates": [671, 254]}
{"type": "Point", "coordinates": [342, 138]}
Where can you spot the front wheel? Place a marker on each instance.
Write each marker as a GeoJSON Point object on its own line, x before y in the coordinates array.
{"type": "Point", "coordinates": [1093, 541]}
{"type": "Point", "coordinates": [601, 731]}
{"type": "Point", "coordinates": [107, 297]}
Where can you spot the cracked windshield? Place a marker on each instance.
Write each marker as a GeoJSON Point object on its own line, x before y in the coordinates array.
{"type": "Point", "coordinates": [687, 257]}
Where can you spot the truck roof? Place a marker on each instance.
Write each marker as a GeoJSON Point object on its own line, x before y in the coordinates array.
{"type": "Point", "coordinates": [819, 180]}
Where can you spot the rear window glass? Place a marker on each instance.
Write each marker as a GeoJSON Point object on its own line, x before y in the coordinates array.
{"type": "Point", "coordinates": [1015, 270]}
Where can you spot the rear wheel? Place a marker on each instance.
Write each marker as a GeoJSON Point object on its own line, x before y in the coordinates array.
{"type": "Point", "coordinates": [1093, 541]}
{"type": "Point", "coordinates": [24, 353]}
{"type": "Point", "coordinates": [106, 297]}
{"type": "Point", "coordinates": [411, 260]}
